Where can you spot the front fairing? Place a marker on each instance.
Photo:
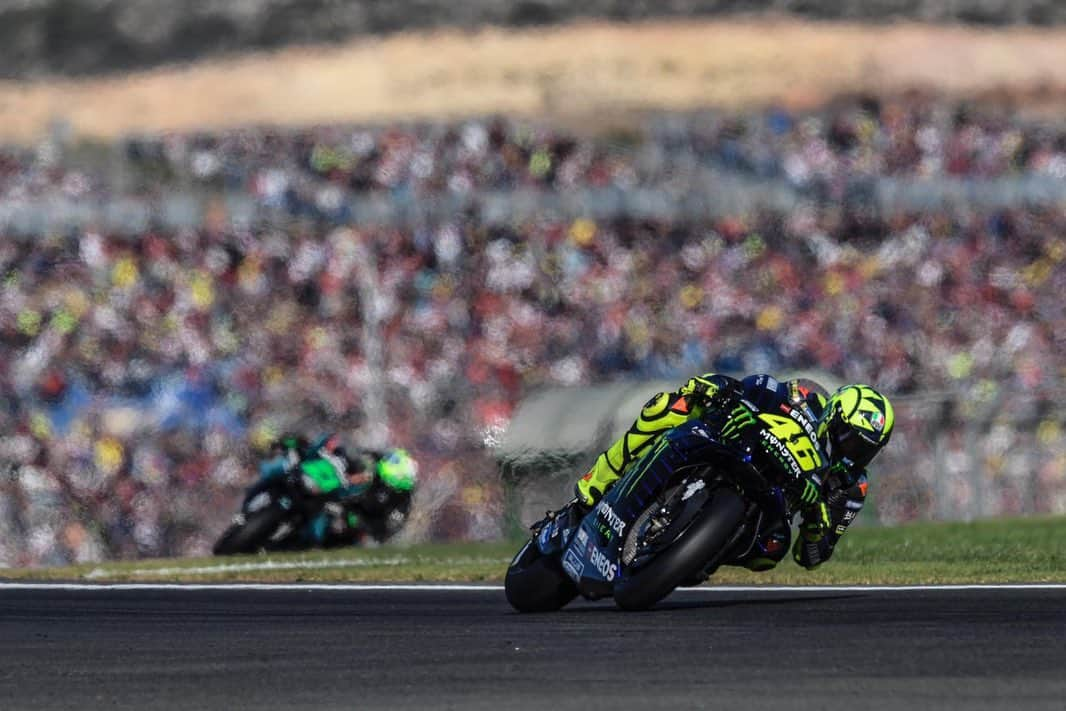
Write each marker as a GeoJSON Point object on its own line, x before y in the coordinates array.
{"type": "Point", "coordinates": [593, 553]}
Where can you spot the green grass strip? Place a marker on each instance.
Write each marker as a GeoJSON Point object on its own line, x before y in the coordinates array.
{"type": "Point", "coordinates": [998, 551]}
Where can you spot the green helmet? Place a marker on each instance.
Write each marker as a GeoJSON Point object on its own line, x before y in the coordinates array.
{"type": "Point", "coordinates": [398, 470]}
{"type": "Point", "coordinates": [858, 422]}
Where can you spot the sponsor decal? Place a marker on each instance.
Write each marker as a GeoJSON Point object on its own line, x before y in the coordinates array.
{"type": "Point", "coordinates": [771, 384]}
{"type": "Point", "coordinates": [582, 537]}
{"type": "Point", "coordinates": [573, 565]}
{"type": "Point", "coordinates": [602, 563]}
{"type": "Point", "coordinates": [613, 520]}
{"type": "Point", "coordinates": [739, 419]}
{"type": "Point", "coordinates": [804, 422]}
{"type": "Point", "coordinates": [876, 420]}
{"type": "Point", "coordinates": [692, 488]}
{"type": "Point", "coordinates": [545, 535]}
{"type": "Point", "coordinates": [783, 455]}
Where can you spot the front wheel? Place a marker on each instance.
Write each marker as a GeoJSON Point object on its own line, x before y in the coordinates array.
{"type": "Point", "coordinates": [537, 583]}
{"type": "Point", "coordinates": [704, 538]}
{"type": "Point", "coordinates": [252, 534]}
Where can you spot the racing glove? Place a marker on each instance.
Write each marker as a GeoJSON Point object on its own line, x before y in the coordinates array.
{"type": "Point", "coordinates": [701, 386]}
{"type": "Point", "coordinates": [816, 540]}
{"type": "Point", "coordinates": [715, 391]}
{"type": "Point", "coordinates": [816, 522]}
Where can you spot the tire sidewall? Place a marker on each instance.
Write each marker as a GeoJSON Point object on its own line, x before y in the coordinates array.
{"type": "Point", "coordinates": [253, 534]}
{"type": "Point", "coordinates": [704, 538]}
{"type": "Point", "coordinates": [537, 583]}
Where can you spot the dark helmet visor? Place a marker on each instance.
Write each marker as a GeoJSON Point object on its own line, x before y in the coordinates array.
{"type": "Point", "coordinates": [852, 445]}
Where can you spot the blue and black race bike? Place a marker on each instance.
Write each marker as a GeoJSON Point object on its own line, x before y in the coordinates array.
{"type": "Point", "coordinates": [717, 490]}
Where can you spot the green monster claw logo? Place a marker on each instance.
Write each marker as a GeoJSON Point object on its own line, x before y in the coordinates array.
{"type": "Point", "coordinates": [739, 419]}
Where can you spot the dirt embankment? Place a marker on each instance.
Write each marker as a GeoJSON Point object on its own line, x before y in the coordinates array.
{"type": "Point", "coordinates": [572, 70]}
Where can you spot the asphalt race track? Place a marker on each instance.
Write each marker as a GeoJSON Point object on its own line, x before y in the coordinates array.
{"type": "Point", "coordinates": [321, 649]}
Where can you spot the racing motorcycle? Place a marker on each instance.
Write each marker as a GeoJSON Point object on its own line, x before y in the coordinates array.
{"type": "Point", "coordinates": [718, 490]}
{"type": "Point", "coordinates": [277, 510]}
{"type": "Point", "coordinates": [272, 517]}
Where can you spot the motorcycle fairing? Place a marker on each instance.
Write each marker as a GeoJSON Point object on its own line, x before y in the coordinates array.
{"type": "Point", "coordinates": [592, 558]}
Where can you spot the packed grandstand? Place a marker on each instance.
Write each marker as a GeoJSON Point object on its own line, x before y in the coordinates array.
{"type": "Point", "coordinates": [141, 369]}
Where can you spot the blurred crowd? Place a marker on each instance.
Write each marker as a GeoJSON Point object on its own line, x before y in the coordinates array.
{"type": "Point", "coordinates": [141, 376]}
{"type": "Point", "coordinates": [314, 170]}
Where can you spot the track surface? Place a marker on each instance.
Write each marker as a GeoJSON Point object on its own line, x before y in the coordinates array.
{"type": "Point", "coordinates": [462, 649]}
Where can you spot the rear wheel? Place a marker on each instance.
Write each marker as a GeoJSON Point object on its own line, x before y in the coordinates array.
{"type": "Point", "coordinates": [253, 534]}
{"type": "Point", "coordinates": [536, 583]}
{"type": "Point", "coordinates": [707, 534]}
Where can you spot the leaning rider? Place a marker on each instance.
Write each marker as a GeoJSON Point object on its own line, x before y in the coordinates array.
{"type": "Point", "coordinates": [852, 426]}
{"type": "Point", "coordinates": [369, 491]}
{"type": "Point", "coordinates": [327, 470]}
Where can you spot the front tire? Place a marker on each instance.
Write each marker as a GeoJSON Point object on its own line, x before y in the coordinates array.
{"type": "Point", "coordinates": [252, 535]}
{"type": "Point", "coordinates": [698, 544]}
{"type": "Point", "coordinates": [536, 583]}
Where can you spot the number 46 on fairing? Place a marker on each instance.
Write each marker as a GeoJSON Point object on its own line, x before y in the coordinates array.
{"type": "Point", "coordinates": [799, 444]}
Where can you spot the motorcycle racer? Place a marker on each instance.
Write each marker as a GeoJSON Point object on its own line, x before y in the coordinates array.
{"type": "Point", "coordinates": [850, 427]}
{"type": "Point", "coordinates": [368, 491]}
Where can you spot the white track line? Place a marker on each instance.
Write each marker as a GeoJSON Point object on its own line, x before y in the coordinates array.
{"type": "Point", "coordinates": [358, 587]}
{"type": "Point", "coordinates": [339, 587]}
{"type": "Point", "coordinates": [318, 564]}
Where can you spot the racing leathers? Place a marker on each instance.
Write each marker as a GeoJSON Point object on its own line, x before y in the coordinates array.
{"type": "Point", "coordinates": [828, 499]}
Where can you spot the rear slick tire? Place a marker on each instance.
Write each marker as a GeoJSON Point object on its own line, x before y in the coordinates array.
{"type": "Point", "coordinates": [536, 583]}
{"type": "Point", "coordinates": [696, 546]}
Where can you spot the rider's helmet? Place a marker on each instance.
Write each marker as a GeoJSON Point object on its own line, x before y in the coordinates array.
{"type": "Point", "coordinates": [856, 423]}
{"type": "Point", "coordinates": [397, 470]}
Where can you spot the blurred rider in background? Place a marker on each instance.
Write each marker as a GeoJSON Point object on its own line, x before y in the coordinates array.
{"type": "Point", "coordinates": [368, 491]}
{"type": "Point", "coordinates": [851, 426]}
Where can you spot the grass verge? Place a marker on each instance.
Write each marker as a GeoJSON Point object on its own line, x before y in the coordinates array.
{"type": "Point", "coordinates": [1000, 551]}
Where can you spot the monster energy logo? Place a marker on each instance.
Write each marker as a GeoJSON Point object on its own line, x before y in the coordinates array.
{"type": "Point", "coordinates": [740, 418]}
{"type": "Point", "coordinates": [782, 454]}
